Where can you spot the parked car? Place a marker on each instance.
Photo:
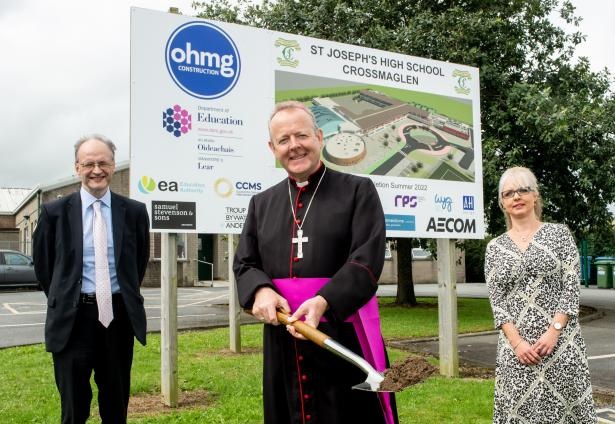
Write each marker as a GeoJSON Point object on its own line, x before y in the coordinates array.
{"type": "Point", "coordinates": [16, 270]}
{"type": "Point", "coordinates": [419, 254]}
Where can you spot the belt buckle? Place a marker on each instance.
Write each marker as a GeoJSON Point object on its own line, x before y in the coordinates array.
{"type": "Point", "coordinates": [88, 299]}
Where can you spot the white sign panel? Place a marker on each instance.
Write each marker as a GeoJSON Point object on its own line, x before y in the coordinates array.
{"type": "Point", "coordinates": [201, 94]}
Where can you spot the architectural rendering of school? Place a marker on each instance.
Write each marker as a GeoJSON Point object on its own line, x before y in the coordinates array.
{"type": "Point", "coordinates": [368, 132]}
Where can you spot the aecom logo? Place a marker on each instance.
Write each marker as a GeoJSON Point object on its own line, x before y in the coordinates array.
{"type": "Point", "coordinates": [202, 60]}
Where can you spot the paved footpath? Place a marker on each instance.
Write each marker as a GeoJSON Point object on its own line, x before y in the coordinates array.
{"type": "Point", "coordinates": [598, 331]}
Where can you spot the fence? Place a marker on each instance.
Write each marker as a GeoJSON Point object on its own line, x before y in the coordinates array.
{"type": "Point", "coordinates": [19, 246]}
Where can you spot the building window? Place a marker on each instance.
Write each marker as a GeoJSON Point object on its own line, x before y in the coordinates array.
{"type": "Point", "coordinates": [181, 245]}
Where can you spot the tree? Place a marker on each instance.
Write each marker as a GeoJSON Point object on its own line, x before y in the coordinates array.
{"type": "Point", "coordinates": [405, 288]}
{"type": "Point", "coordinates": [539, 108]}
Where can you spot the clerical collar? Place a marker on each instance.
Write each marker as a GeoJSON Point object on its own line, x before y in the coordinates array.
{"type": "Point", "coordinates": [311, 179]}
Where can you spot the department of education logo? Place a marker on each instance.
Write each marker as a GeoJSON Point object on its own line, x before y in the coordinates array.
{"type": "Point", "coordinates": [146, 184]}
{"type": "Point", "coordinates": [462, 79]}
{"type": "Point", "coordinates": [176, 120]}
{"type": "Point", "coordinates": [203, 60]}
{"type": "Point", "coordinates": [289, 47]}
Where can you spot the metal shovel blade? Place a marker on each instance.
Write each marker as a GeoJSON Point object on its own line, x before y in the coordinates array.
{"type": "Point", "coordinates": [374, 378]}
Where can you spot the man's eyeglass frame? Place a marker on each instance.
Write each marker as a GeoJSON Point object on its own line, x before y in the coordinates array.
{"type": "Point", "coordinates": [105, 166]}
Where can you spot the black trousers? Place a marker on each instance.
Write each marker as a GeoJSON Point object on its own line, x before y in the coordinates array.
{"type": "Point", "coordinates": [106, 351]}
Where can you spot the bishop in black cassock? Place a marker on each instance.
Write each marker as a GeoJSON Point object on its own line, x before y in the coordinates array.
{"type": "Point", "coordinates": [342, 219]}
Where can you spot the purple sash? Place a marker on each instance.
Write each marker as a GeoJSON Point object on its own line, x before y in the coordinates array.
{"type": "Point", "coordinates": [366, 323]}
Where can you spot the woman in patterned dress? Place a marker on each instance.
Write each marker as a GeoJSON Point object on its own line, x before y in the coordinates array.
{"type": "Point", "coordinates": [532, 273]}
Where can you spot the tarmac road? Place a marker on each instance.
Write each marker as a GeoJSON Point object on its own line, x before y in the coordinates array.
{"type": "Point", "coordinates": [22, 313]}
{"type": "Point", "coordinates": [22, 317]}
{"type": "Point", "coordinates": [598, 332]}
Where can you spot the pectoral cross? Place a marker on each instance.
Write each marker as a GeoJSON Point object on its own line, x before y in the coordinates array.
{"type": "Point", "coordinates": [299, 240]}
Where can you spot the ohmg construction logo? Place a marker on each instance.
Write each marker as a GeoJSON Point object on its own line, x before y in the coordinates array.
{"type": "Point", "coordinates": [203, 60]}
{"type": "Point", "coordinates": [462, 81]}
{"type": "Point", "coordinates": [288, 49]}
{"type": "Point", "coordinates": [176, 120]}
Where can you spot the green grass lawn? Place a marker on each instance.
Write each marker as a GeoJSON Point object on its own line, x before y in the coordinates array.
{"type": "Point", "coordinates": [231, 383]}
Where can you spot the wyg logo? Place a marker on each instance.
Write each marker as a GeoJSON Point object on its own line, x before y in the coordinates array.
{"type": "Point", "coordinates": [147, 185]}
{"type": "Point", "coordinates": [203, 60]}
{"type": "Point", "coordinates": [176, 120]}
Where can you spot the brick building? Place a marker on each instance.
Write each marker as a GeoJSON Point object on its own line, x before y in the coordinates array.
{"type": "Point", "coordinates": [201, 257]}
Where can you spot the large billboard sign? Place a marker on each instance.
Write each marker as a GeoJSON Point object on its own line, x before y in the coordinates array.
{"type": "Point", "coordinates": [410, 124]}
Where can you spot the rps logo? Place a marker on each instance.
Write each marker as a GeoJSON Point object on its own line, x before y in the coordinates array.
{"type": "Point", "coordinates": [203, 60]}
{"type": "Point", "coordinates": [405, 201]}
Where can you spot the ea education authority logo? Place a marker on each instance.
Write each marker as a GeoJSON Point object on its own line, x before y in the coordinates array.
{"type": "Point", "coordinates": [146, 184]}
{"type": "Point", "coordinates": [202, 60]}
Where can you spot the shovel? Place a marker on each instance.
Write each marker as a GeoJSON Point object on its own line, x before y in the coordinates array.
{"type": "Point", "coordinates": [374, 378]}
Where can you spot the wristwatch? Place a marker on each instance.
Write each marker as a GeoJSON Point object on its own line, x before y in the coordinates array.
{"type": "Point", "coordinates": [557, 325]}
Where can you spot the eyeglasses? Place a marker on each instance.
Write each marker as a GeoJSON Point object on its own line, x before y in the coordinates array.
{"type": "Point", "coordinates": [521, 191]}
{"type": "Point", "coordinates": [89, 166]}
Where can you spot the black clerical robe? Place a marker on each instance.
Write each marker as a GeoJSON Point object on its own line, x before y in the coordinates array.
{"type": "Point", "coordinates": [344, 224]}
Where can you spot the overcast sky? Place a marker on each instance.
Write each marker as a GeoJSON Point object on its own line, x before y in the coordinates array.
{"type": "Point", "coordinates": [65, 73]}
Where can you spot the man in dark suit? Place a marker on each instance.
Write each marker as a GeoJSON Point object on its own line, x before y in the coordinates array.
{"type": "Point", "coordinates": [90, 252]}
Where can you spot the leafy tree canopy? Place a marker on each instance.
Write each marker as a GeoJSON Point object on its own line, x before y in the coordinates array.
{"type": "Point", "coordinates": [539, 108]}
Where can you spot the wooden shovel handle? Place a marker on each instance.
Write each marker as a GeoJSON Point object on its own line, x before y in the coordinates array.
{"type": "Point", "coordinates": [305, 330]}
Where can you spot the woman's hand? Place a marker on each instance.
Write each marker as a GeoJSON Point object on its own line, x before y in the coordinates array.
{"type": "Point", "coordinates": [526, 353]}
{"type": "Point", "coordinates": [546, 343]}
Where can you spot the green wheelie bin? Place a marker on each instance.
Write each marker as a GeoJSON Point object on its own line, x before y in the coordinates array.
{"type": "Point", "coordinates": [605, 266]}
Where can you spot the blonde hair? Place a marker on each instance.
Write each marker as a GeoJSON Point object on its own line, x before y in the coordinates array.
{"type": "Point", "coordinates": [524, 178]}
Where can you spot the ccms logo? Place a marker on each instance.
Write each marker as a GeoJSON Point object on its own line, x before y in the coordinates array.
{"type": "Point", "coordinates": [203, 60]}
{"type": "Point", "coordinates": [147, 185]}
{"type": "Point", "coordinates": [224, 188]}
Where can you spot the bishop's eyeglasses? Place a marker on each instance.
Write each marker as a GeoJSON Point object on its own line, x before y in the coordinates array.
{"type": "Point", "coordinates": [521, 191]}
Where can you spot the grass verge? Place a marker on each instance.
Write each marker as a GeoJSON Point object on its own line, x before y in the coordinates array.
{"type": "Point", "coordinates": [224, 387]}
